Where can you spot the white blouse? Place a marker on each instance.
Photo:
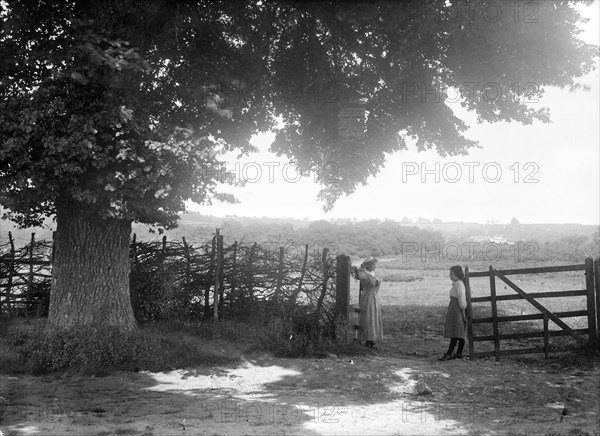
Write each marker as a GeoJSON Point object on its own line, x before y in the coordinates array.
{"type": "Point", "coordinates": [458, 291]}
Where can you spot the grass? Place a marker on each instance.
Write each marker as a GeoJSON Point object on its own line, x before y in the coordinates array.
{"type": "Point", "coordinates": [25, 347]}
{"type": "Point", "coordinates": [399, 276]}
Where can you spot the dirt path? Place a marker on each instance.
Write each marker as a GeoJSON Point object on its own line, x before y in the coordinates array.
{"type": "Point", "coordinates": [376, 394]}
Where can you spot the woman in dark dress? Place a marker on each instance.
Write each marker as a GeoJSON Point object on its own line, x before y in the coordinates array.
{"type": "Point", "coordinates": [456, 317]}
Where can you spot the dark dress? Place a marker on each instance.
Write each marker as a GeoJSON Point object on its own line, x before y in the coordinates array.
{"type": "Point", "coordinates": [456, 326]}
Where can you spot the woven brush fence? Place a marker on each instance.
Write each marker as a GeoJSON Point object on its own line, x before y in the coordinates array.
{"type": "Point", "coordinates": [180, 280]}
{"type": "Point", "coordinates": [25, 274]}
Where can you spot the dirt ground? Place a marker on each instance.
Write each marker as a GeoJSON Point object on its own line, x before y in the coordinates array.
{"type": "Point", "coordinates": [380, 393]}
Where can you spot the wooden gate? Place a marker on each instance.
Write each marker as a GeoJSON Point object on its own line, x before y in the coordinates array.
{"type": "Point", "coordinates": [591, 292]}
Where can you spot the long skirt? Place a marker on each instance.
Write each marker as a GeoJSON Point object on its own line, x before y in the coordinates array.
{"type": "Point", "coordinates": [455, 326]}
{"type": "Point", "coordinates": [370, 326]}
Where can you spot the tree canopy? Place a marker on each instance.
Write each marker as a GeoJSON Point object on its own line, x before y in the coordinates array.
{"type": "Point", "coordinates": [123, 106]}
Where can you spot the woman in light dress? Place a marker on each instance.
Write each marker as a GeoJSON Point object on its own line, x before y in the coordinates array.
{"type": "Point", "coordinates": [370, 327]}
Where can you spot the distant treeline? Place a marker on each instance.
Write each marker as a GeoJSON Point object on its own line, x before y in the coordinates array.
{"type": "Point", "coordinates": [532, 242]}
{"type": "Point", "coordinates": [360, 239]}
{"type": "Point", "coordinates": [391, 238]}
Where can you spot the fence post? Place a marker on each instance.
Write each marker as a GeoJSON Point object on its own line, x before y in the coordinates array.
{"type": "Point", "coordinates": [250, 270]}
{"type": "Point", "coordinates": [134, 250]}
{"type": "Point", "coordinates": [469, 314]}
{"type": "Point", "coordinates": [133, 290]}
{"type": "Point", "coordinates": [30, 279]}
{"type": "Point", "coordinates": [302, 273]}
{"type": "Point", "coordinates": [279, 276]}
{"type": "Point", "coordinates": [597, 285]}
{"type": "Point", "coordinates": [357, 311]}
{"type": "Point", "coordinates": [211, 269]}
{"type": "Point", "coordinates": [342, 290]}
{"type": "Point", "coordinates": [161, 266]}
{"type": "Point", "coordinates": [546, 342]}
{"type": "Point", "coordinates": [188, 274]}
{"type": "Point", "coordinates": [53, 248]}
{"type": "Point", "coordinates": [217, 270]}
{"type": "Point", "coordinates": [163, 252]}
{"type": "Point", "coordinates": [11, 267]}
{"type": "Point", "coordinates": [233, 265]}
{"type": "Point", "coordinates": [221, 276]}
{"type": "Point", "coordinates": [494, 313]}
{"type": "Point", "coordinates": [591, 306]}
{"type": "Point", "coordinates": [324, 286]}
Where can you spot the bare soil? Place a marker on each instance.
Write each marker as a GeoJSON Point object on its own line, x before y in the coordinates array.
{"type": "Point", "coordinates": [384, 392]}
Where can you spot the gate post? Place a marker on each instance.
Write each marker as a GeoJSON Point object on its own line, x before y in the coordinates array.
{"type": "Point", "coordinates": [342, 291]}
{"type": "Point", "coordinates": [591, 306]}
{"type": "Point", "coordinates": [494, 313]}
{"type": "Point", "coordinates": [469, 314]}
{"type": "Point", "coordinates": [597, 285]}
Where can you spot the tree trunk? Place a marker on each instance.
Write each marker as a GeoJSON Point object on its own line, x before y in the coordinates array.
{"type": "Point", "coordinates": [90, 272]}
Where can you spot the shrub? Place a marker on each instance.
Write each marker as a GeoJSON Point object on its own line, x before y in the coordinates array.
{"type": "Point", "coordinates": [37, 299]}
{"type": "Point", "coordinates": [302, 336]}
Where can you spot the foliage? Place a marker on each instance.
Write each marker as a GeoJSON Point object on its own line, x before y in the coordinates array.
{"type": "Point", "coordinates": [37, 300]}
{"type": "Point", "coordinates": [82, 121]}
{"type": "Point", "coordinates": [123, 106]}
{"type": "Point", "coordinates": [305, 336]}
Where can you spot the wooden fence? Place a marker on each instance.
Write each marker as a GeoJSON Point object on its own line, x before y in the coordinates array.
{"type": "Point", "coordinates": [176, 278]}
{"type": "Point", "coordinates": [591, 292]}
{"type": "Point", "coordinates": [25, 274]}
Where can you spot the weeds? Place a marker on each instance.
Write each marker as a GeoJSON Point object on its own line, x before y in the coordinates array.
{"type": "Point", "coordinates": [99, 351]}
{"type": "Point", "coordinates": [27, 347]}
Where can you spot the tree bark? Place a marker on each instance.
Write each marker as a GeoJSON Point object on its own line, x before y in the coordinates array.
{"type": "Point", "coordinates": [90, 272]}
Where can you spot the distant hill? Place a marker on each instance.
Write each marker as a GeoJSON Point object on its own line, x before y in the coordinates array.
{"type": "Point", "coordinates": [197, 228]}
{"type": "Point", "coordinates": [512, 232]}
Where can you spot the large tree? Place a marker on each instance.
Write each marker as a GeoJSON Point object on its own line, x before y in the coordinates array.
{"type": "Point", "coordinates": [116, 111]}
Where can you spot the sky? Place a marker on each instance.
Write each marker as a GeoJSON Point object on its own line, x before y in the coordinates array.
{"type": "Point", "coordinates": [539, 173]}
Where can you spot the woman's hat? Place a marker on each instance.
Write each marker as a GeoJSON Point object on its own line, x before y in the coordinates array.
{"type": "Point", "coordinates": [369, 261]}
